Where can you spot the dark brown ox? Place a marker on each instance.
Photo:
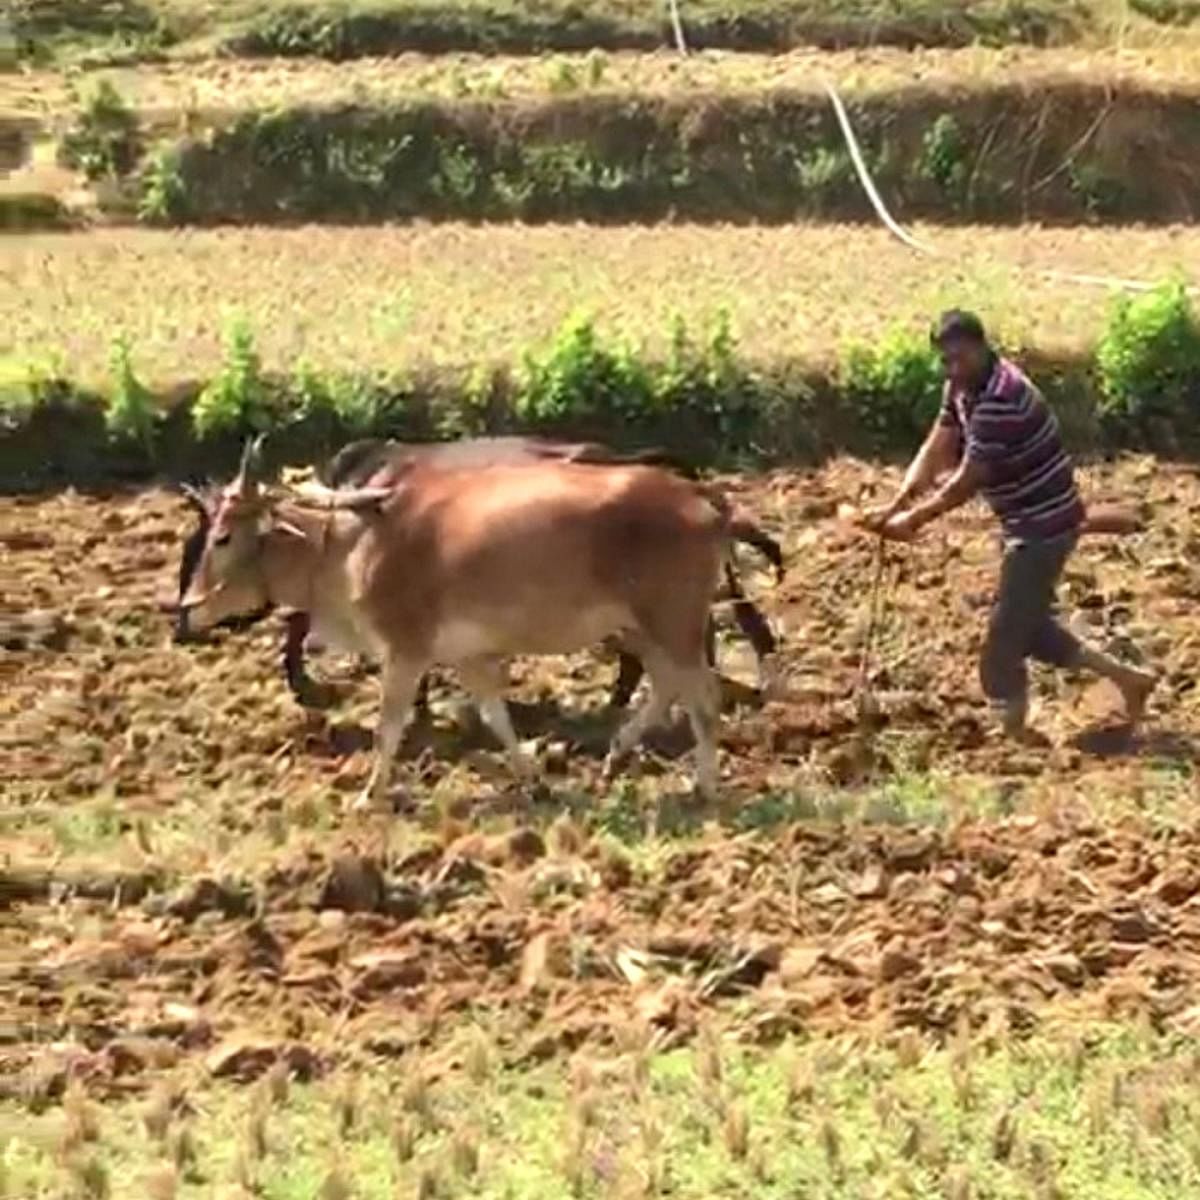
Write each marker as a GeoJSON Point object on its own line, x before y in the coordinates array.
{"type": "Point", "coordinates": [466, 568]}
{"type": "Point", "coordinates": [378, 463]}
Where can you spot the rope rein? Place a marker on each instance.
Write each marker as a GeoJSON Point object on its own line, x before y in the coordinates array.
{"type": "Point", "coordinates": [864, 694]}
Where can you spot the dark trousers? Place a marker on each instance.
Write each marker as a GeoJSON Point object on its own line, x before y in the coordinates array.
{"type": "Point", "coordinates": [1023, 623]}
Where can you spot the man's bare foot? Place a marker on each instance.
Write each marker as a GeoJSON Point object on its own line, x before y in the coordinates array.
{"type": "Point", "coordinates": [1136, 688]}
{"type": "Point", "coordinates": [1026, 736]}
{"type": "Point", "coordinates": [1014, 727]}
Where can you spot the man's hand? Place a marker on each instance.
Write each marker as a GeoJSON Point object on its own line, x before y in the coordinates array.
{"type": "Point", "coordinates": [903, 526]}
{"type": "Point", "coordinates": [957, 490]}
{"type": "Point", "coordinates": [877, 516]}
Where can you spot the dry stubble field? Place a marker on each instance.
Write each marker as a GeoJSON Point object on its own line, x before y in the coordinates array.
{"type": "Point", "coordinates": [185, 900]}
{"type": "Point", "coordinates": [406, 297]}
{"type": "Point", "coordinates": [187, 89]}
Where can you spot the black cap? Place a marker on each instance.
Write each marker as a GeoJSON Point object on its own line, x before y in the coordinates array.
{"type": "Point", "coordinates": [957, 325]}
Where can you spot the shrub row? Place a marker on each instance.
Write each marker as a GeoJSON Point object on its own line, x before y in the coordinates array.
{"type": "Point", "coordinates": [133, 30]}
{"type": "Point", "coordinates": [701, 399]}
{"type": "Point", "coordinates": [997, 154]}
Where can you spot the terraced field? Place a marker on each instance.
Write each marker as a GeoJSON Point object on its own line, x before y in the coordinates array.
{"type": "Point", "coordinates": [997, 134]}
{"type": "Point", "coordinates": [899, 958]}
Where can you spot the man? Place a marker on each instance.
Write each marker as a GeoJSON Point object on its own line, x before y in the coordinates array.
{"type": "Point", "coordinates": [995, 434]}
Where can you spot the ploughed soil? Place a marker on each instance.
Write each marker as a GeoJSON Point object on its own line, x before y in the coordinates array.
{"type": "Point", "coordinates": [178, 879]}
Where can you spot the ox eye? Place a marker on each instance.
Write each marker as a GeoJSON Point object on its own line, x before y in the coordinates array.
{"type": "Point", "coordinates": [222, 539]}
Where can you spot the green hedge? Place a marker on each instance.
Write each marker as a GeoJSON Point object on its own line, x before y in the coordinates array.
{"type": "Point", "coordinates": [593, 155]}
{"type": "Point", "coordinates": [1148, 362]}
{"type": "Point", "coordinates": [702, 399]}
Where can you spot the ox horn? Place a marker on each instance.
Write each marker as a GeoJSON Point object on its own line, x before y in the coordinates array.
{"type": "Point", "coordinates": [250, 470]}
{"type": "Point", "coordinates": [341, 499]}
{"type": "Point", "coordinates": [195, 497]}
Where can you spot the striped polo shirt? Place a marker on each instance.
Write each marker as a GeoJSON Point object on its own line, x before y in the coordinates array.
{"type": "Point", "coordinates": [1009, 430]}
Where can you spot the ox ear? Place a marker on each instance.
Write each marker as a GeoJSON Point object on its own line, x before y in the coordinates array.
{"type": "Point", "coordinates": [249, 476]}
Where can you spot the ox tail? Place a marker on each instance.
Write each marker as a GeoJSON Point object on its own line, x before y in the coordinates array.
{"type": "Point", "coordinates": [742, 529]}
{"type": "Point", "coordinates": [749, 617]}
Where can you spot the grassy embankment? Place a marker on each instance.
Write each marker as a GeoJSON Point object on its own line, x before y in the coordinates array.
{"type": "Point", "coordinates": [964, 135]}
{"type": "Point", "coordinates": [133, 30]}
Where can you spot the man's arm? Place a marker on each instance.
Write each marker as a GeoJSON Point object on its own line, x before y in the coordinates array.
{"type": "Point", "coordinates": [936, 456]}
{"type": "Point", "coordinates": [938, 453]}
{"type": "Point", "coordinates": [954, 493]}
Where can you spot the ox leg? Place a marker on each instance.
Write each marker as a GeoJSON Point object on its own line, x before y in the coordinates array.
{"type": "Point", "coordinates": [422, 701]}
{"type": "Point", "coordinates": [710, 642]}
{"type": "Point", "coordinates": [399, 688]}
{"type": "Point", "coordinates": [701, 698]}
{"type": "Point", "coordinates": [763, 641]}
{"type": "Point", "coordinates": [652, 711]}
{"type": "Point", "coordinates": [303, 687]}
{"type": "Point", "coordinates": [629, 675]}
{"type": "Point", "coordinates": [297, 625]}
{"type": "Point", "coordinates": [696, 688]}
{"type": "Point", "coordinates": [487, 679]}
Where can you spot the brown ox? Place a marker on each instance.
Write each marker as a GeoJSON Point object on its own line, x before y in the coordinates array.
{"type": "Point", "coordinates": [372, 462]}
{"type": "Point", "coordinates": [376, 463]}
{"type": "Point", "coordinates": [467, 568]}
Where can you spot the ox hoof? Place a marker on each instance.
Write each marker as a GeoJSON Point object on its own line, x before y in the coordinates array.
{"type": "Point", "coordinates": [524, 763]}
{"type": "Point", "coordinates": [772, 684]}
{"type": "Point", "coordinates": [525, 769]}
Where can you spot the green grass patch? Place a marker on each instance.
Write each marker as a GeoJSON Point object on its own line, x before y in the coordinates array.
{"type": "Point", "coordinates": [643, 819]}
{"type": "Point", "coordinates": [1110, 1114]}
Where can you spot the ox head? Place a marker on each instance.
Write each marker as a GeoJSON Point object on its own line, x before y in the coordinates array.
{"type": "Point", "coordinates": [221, 580]}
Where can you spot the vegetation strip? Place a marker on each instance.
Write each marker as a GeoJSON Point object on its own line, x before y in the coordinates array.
{"type": "Point", "coordinates": [703, 399]}
{"type": "Point", "coordinates": [139, 30]}
{"type": "Point", "coordinates": [999, 151]}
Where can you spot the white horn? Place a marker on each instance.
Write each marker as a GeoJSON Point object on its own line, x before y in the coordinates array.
{"type": "Point", "coordinates": [250, 469]}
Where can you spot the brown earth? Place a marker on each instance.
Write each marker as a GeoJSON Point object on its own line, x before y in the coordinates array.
{"type": "Point", "coordinates": [177, 879]}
